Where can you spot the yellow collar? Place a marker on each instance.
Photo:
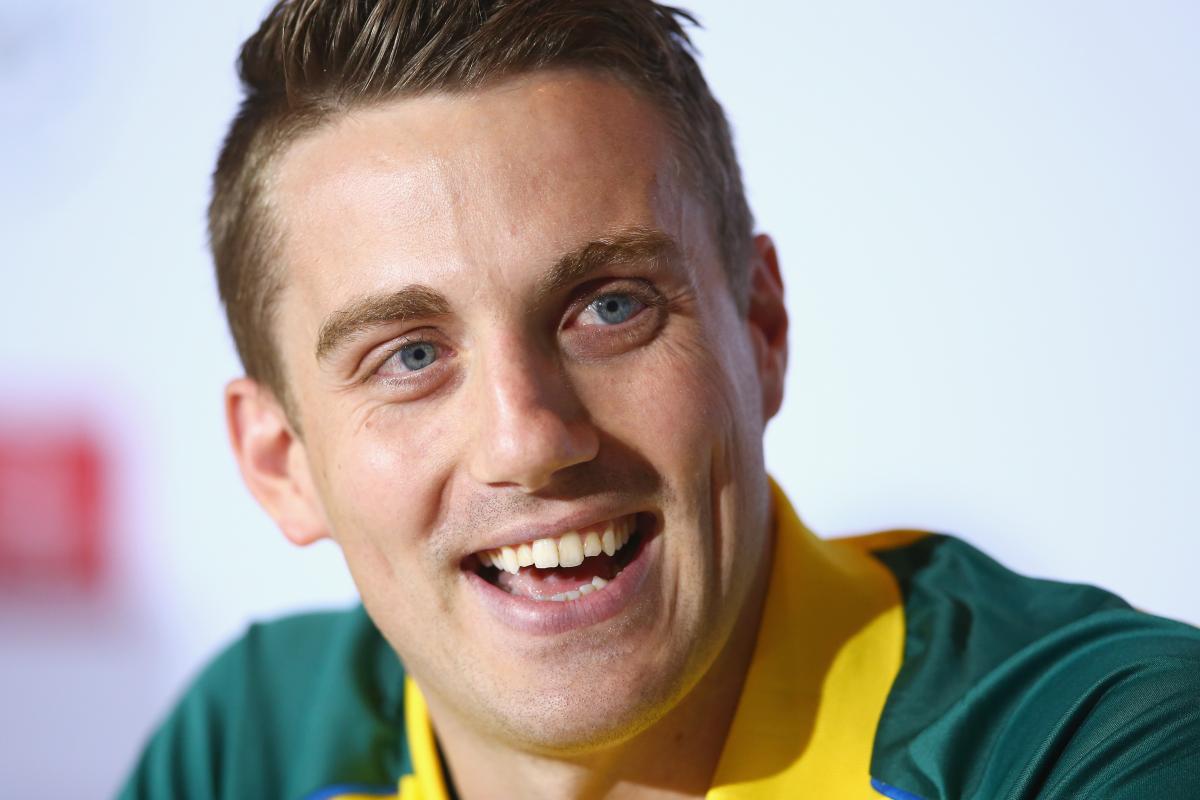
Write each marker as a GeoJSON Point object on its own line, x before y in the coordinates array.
{"type": "Point", "coordinates": [829, 646]}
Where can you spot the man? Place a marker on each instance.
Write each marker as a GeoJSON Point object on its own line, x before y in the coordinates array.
{"type": "Point", "coordinates": [511, 343]}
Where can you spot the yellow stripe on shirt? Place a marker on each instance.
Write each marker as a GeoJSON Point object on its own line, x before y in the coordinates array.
{"type": "Point", "coordinates": [829, 647]}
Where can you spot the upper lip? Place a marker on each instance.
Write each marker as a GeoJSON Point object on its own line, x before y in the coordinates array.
{"type": "Point", "coordinates": [532, 530]}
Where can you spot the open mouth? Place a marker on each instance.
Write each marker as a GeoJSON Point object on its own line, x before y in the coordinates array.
{"type": "Point", "coordinates": [566, 567]}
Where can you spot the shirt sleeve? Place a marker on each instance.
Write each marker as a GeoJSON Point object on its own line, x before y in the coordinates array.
{"type": "Point", "coordinates": [293, 707]}
{"type": "Point", "coordinates": [183, 757]}
{"type": "Point", "coordinates": [1137, 735]}
{"type": "Point", "coordinates": [1117, 718]}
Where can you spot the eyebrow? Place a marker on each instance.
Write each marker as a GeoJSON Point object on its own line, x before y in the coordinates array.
{"type": "Point", "coordinates": [411, 302]}
{"type": "Point", "coordinates": [632, 245]}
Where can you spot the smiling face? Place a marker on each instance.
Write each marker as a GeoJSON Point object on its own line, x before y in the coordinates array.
{"type": "Point", "coordinates": [510, 339]}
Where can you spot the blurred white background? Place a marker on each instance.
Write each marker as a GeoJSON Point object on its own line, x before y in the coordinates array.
{"type": "Point", "coordinates": [989, 220]}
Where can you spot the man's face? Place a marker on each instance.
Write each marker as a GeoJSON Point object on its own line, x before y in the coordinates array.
{"type": "Point", "coordinates": [505, 320]}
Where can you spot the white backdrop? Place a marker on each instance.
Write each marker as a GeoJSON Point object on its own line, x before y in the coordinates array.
{"type": "Point", "coordinates": [988, 220]}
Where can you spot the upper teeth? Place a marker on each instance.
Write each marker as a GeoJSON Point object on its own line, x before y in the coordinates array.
{"type": "Point", "coordinates": [568, 550]}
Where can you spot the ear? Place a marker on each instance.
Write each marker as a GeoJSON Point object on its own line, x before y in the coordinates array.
{"type": "Point", "coordinates": [768, 322]}
{"type": "Point", "coordinates": [273, 461]}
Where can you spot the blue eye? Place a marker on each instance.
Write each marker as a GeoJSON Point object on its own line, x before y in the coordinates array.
{"type": "Point", "coordinates": [418, 355]}
{"type": "Point", "coordinates": [613, 309]}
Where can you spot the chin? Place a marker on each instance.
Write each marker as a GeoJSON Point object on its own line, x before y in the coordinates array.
{"type": "Point", "coordinates": [600, 698]}
{"type": "Point", "coordinates": [576, 722]}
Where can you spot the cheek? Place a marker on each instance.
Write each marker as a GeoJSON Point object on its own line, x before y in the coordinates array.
{"type": "Point", "coordinates": [664, 403]}
{"type": "Point", "coordinates": [697, 396]}
{"type": "Point", "coordinates": [382, 485]}
{"type": "Point", "coordinates": [687, 405]}
{"type": "Point", "coordinates": [701, 418]}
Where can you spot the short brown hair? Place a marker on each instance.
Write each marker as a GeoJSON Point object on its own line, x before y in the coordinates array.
{"type": "Point", "coordinates": [311, 59]}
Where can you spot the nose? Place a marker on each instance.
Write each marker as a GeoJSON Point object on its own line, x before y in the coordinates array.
{"type": "Point", "coordinates": [530, 421]}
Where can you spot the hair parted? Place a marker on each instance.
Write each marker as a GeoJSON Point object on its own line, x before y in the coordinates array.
{"type": "Point", "coordinates": [313, 59]}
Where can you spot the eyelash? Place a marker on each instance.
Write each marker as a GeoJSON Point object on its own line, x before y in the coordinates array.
{"type": "Point", "coordinates": [393, 351]}
{"type": "Point", "coordinates": [643, 292]}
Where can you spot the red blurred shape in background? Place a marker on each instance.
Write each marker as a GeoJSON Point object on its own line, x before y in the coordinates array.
{"type": "Point", "coordinates": [51, 506]}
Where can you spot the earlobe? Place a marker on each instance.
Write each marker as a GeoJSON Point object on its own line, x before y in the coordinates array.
{"type": "Point", "coordinates": [768, 320]}
{"type": "Point", "coordinates": [273, 461]}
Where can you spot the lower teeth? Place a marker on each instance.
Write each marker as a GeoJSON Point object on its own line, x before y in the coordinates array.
{"type": "Point", "coordinates": [596, 585]}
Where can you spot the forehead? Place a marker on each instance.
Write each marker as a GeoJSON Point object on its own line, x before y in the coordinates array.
{"type": "Point", "coordinates": [478, 190]}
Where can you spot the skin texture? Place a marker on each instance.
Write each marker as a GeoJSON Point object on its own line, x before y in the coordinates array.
{"type": "Point", "coordinates": [534, 409]}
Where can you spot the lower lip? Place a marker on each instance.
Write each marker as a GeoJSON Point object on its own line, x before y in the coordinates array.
{"type": "Point", "coordinates": [545, 617]}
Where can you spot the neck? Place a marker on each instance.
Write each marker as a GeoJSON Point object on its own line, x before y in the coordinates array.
{"type": "Point", "coordinates": [676, 757]}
